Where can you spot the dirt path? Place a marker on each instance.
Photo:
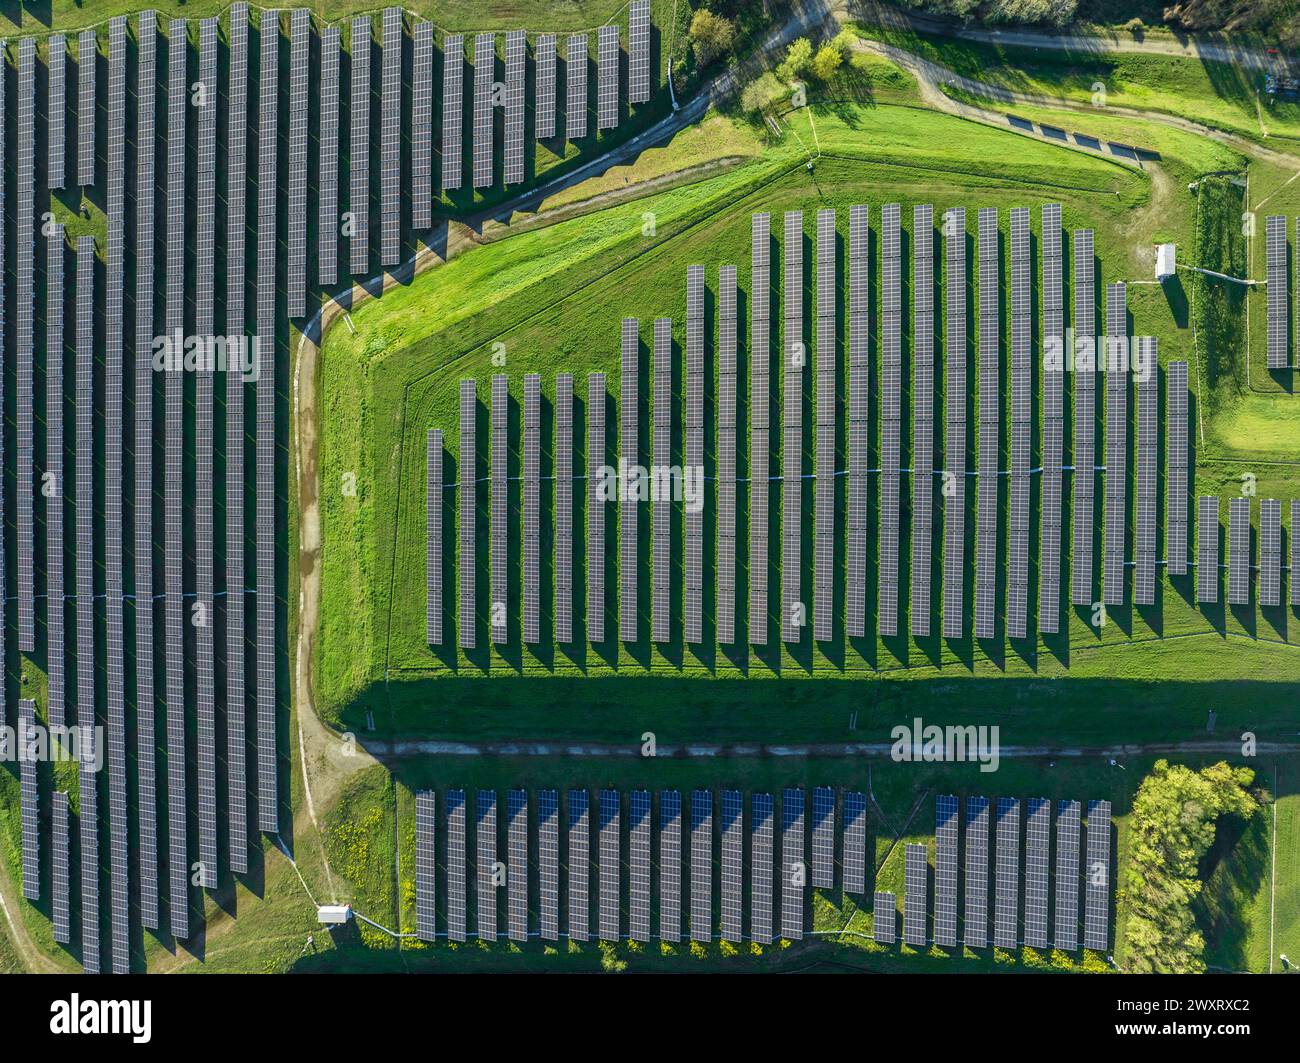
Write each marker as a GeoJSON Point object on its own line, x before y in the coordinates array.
{"type": "Point", "coordinates": [35, 961]}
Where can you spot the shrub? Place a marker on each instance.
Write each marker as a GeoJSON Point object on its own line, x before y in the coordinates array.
{"type": "Point", "coordinates": [827, 62]}
{"type": "Point", "coordinates": [711, 35]}
{"type": "Point", "coordinates": [798, 57]}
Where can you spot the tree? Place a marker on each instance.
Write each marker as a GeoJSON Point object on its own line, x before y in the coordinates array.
{"type": "Point", "coordinates": [711, 35]}
{"type": "Point", "coordinates": [826, 62]}
{"type": "Point", "coordinates": [797, 59]}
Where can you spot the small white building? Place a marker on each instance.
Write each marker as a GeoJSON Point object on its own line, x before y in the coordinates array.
{"type": "Point", "coordinates": [1164, 261]}
{"type": "Point", "coordinates": [333, 914]}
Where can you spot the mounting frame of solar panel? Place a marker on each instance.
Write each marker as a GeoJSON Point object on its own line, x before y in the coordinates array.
{"type": "Point", "coordinates": [792, 863]}
{"type": "Point", "coordinates": [516, 57]}
{"type": "Point", "coordinates": [1239, 551]}
{"type": "Point", "coordinates": [661, 514]}
{"type": "Point", "coordinates": [762, 826]}
{"type": "Point", "coordinates": [1096, 912]}
{"type": "Point", "coordinates": [945, 870]}
{"type": "Point", "coordinates": [359, 147]}
{"type": "Point", "coordinates": [1148, 432]}
{"type": "Point", "coordinates": [390, 139]}
{"type": "Point", "coordinates": [563, 507]}
{"type": "Point", "coordinates": [517, 871]}
{"type": "Point", "coordinates": [693, 537]}
{"type": "Point", "coordinates": [638, 53]}
{"type": "Point", "coordinates": [914, 906]}
{"type": "Point", "coordinates": [485, 858]}
{"type": "Point", "coordinates": [421, 125]}
{"type": "Point", "coordinates": [576, 60]}
{"type": "Point", "coordinates": [485, 60]}
{"type": "Point", "coordinates": [425, 865]}
{"type": "Point", "coordinates": [891, 415]}
{"type": "Point", "coordinates": [327, 179]}
{"type": "Point", "coordinates": [499, 498]}
{"type": "Point", "coordinates": [990, 445]}
{"type": "Point", "coordinates": [854, 842]}
{"type": "Point", "coordinates": [1006, 896]}
{"type": "Point", "coordinates": [1270, 552]}
{"type": "Point", "coordinates": [1117, 370]}
{"type": "Point", "coordinates": [544, 56]}
{"type": "Point", "coordinates": [725, 457]}
{"type": "Point", "coordinates": [25, 308]}
{"type": "Point", "coordinates": [638, 853]}
{"type": "Point", "coordinates": [56, 110]}
{"type": "Point", "coordinates": [453, 104]}
{"type": "Point", "coordinates": [607, 52]}
{"type": "Point", "coordinates": [433, 528]}
{"type": "Point", "coordinates": [1176, 478]}
{"type": "Point", "coordinates": [760, 444]}
{"type": "Point", "coordinates": [1065, 912]}
{"type": "Point", "coordinates": [670, 865]}
{"type": "Point", "coordinates": [86, 61]}
{"type": "Point", "coordinates": [579, 864]}
{"type": "Point", "coordinates": [628, 450]}
{"type": "Point", "coordinates": [548, 865]}
{"type": "Point", "coordinates": [1053, 428]}
{"type": "Point", "coordinates": [975, 921]}
{"type": "Point", "coordinates": [731, 830]}
{"type": "Point", "coordinates": [701, 865]}
{"type": "Point", "coordinates": [823, 838]}
{"type": "Point", "coordinates": [467, 509]}
{"type": "Point", "coordinates": [596, 399]}
{"type": "Point", "coordinates": [1022, 380]}
{"type": "Point", "coordinates": [922, 415]}
{"type": "Point", "coordinates": [1085, 420]}
{"type": "Point", "coordinates": [859, 327]}
{"type": "Point", "coordinates": [299, 69]}
{"type": "Point", "coordinates": [1278, 350]}
{"type": "Point", "coordinates": [531, 544]}
{"type": "Point", "coordinates": [954, 510]}
{"type": "Point", "coordinates": [1207, 549]}
{"type": "Point", "coordinates": [1038, 826]}
{"type": "Point", "coordinates": [792, 373]}
{"type": "Point", "coordinates": [825, 432]}
{"type": "Point", "coordinates": [456, 813]}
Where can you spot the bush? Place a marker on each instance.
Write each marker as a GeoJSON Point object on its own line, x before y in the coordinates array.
{"type": "Point", "coordinates": [826, 62]}
{"type": "Point", "coordinates": [762, 92]}
{"type": "Point", "coordinates": [798, 57]}
{"type": "Point", "coordinates": [711, 35]}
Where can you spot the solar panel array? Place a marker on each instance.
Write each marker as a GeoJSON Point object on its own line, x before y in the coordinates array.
{"type": "Point", "coordinates": [1022, 426]}
{"type": "Point", "coordinates": [701, 865]}
{"type": "Point", "coordinates": [945, 870]}
{"type": "Point", "coordinates": [1065, 915]}
{"type": "Point", "coordinates": [1038, 827]}
{"type": "Point", "coordinates": [990, 397]}
{"type": "Point", "coordinates": [670, 865]}
{"type": "Point", "coordinates": [1096, 912]}
{"type": "Point", "coordinates": [54, 600]}
{"type": "Point", "coordinates": [693, 565]}
{"type": "Point", "coordinates": [638, 854]}
{"type": "Point", "coordinates": [425, 865]}
{"type": "Point", "coordinates": [564, 507]}
{"type": "Point", "coordinates": [891, 413]}
{"type": "Point", "coordinates": [975, 926]}
{"type": "Point", "coordinates": [825, 432]}
{"type": "Point", "coordinates": [299, 69]}
{"type": "Point", "coordinates": [859, 326]}
{"type": "Point", "coordinates": [517, 868]}
{"type": "Point", "coordinates": [854, 851]}
{"type": "Point", "coordinates": [576, 60]}
{"type": "Point", "coordinates": [56, 109]}
{"type": "Point", "coordinates": [1006, 897]}
{"type": "Point", "coordinates": [1053, 430]}
{"type": "Point", "coordinates": [914, 895]}
{"type": "Point", "coordinates": [731, 829]}
{"type": "Point", "coordinates": [762, 826]}
{"type": "Point", "coordinates": [86, 61]}
{"type": "Point", "coordinates": [823, 838]}
{"type": "Point", "coordinates": [922, 415]}
{"type": "Point", "coordinates": [629, 453]}
{"type": "Point", "coordinates": [1085, 420]}
{"type": "Point", "coordinates": [725, 456]}
{"type": "Point", "coordinates": [792, 431]}
{"type": "Point", "coordinates": [516, 54]}
{"type": "Point", "coordinates": [467, 502]}
{"type": "Point", "coordinates": [793, 867]}
{"type": "Point", "coordinates": [453, 103]}
{"type": "Point", "coordinates": [1239, 551]}
{"type": "Point", "coordinates": [661, 451]}
{"type": "Point", "coordinates": [29, 799]}
{"type": "Point", "coordinates": [485, 858]}
{"type": "Point", "coordinates": [1176, 486]}
{"type": "Point", "coordinates": [25, 250]}
{"type": "Point", "coordinates": [608, 837]}
{"type": "Point", "coordinates": [433, 522]}
{"type": "Point", "coordinates": [327, 174]}
{"type": "Point", "coordinates": [1207, 549]}
{"type": "Point", "coordinates": [1270, 552]}
{"type": "Point", "coordinates": [579, 850]}
{"type": "Point", "coordinates": [954, 479]}
{"type": "Point", "coordinates": [1148, 474]}
{"type": "Point", "coordinates": [499, 502]}
{"type": "Point", "coordinates": [607, 77]}
{"type": "Point", "coordinates": [544, 55]}
{"type": "Point", "coordinates": [596, 398]}
{"type": "Point", "coordinates": [1117, 358]}
{"type": "Point", "coordinates": [456, 865]}
{"type": "Point", "coordinates": [531, 538]}
{"type": "Point", "coordinates": [548, 864]}
{"type": "Point", "coordinates": [1279, 317]}
{"type": "Point", "coordinates": [421, 125]}
{"type": "Point", "coordinates": [390, 140]}
{"type": "Point", "coordinates": [359, 147]}
{"type": "Point", "coordinates": [638, 51]}
{"type": "Point", "coordinates": [884, 918]}
{"type": "Point", "coordinates": [760, 405]}
{"type": "Point", "coordinates": [485, 60]}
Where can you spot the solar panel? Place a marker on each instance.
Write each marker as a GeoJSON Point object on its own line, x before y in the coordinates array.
{"type": "Point", "coordinates": [544, 87]}
{"type": "Point", "coordinates": [945, 870]}
{"type": "Point", "coordinates": [854, 844]}
{"type": "Point", "coordinates": [922, 415]}
{"type": "Point", "coordinates": [236, 217]}
{"type": "Point", "coordinates": [596, 399]}
{"type": "Point", "coordinates": [174, 488]}
{"type": "Point", "coordinates": [56, 109]}
{"type": "Point", "coordinates": [1239, 551]}
{"type": "Point", "coordinates": [327, 174]}
{"type": "Point", "coordinates": [456, 865]}
{"type": "Point", "coordinates": [1053, 430]}
{"type": "Point", "coordinates": [517, 871]}
{"type": "Point", "coordinates": [548, 864]}
{"type": "Point", "coordinates": [485, 61]}
{"type": "Point", "coordinates": [29, 800]}
{"type": "Point", "coordinates": [661, 500]}
{"type": "Point", "coordinates": [421, 125]}
{"type": "Point", "coordinates": [701, 865]}
{"type": "Point", "coordinates": [975, 924]}
{"type": "Point", "coordinates": [516, 55]}
{"type": "Point", "coordinates": [794, 869]}
{"type": "Point", "coordinates": [531, 543]}
{"type": "Point", "coordinates": [1065, 914]}
{"type": "Point", "coordinates": [859, 329]}
{"type": "Point", "coordinates": [891, 413]}
{"type": "Point", "coordinates": [1176, 479]}
{"type": "Point", "coordinates": [1117, 359]}
{"type": "Point", "coordinates": [142, 453]}
{"type": "Point", "coordinates": [825, 432]}
{"type": "Point", "coordinates": [990, 445]}
{"type": "Point", "coordinates": [792, 432]}
{"type": "Point", "coordinates": [485, 860]}
{"type": "Point", "coordinates": [607, 77]}
{"type": "Point", "coordinates": [670, 866]}
{"type": "Point", "coordinates": [1270, 552]}
{"type": "Point", "coordinates": [731, 829]}
{"type": "Point", "coordinates": [629, 453]}
{"type": "Point", "coordinates": [1006, 897]}
{"type": "Point", "coordinates": [425, 865]}
{"type": "Point", "coordinates": [1207, 549]}
{"type": "Point", "coordinates": [359, 148]}
{"type": "Point", "coordinates": [499, 501]}
{"type": "Point", "coordinates": [268, 803]}
{"type": "Point", "coordinates": [1022, 425]}
{"type": "Point", "coordinates": [1279, 317]}
{"type": "Point", "coordinates": [25, 249]}
{"type": "Point", "coordinates": [453, 103]}
{"type": "Point", "coordinates": [1294, 572]}
{"type": "Point", "coordinates": [1096, 890]}
{"type": "Point", "coordinates": [576, 60]}
{"type": "Point", "coordinates": [579, 852]}
{"type": "Point", "coordinates": [86, 60]}
{"type": "Point", "coordinates": [299, 68]}
{"type": "Point", "coordinates": [563, 506]}
{"type": "Point", "coordinates": [954, 476]}
{"type": "Point", "coordinates": [60, 891]}
{"type": "Point", "coordinates": [433, 521]}
{"type": "Point", "coordinates": [1085, 418]}
{"type": "Point", "coordinates": [761, 828]}
{"type": "Point", "coordinates": [467, 474]}
{"type": "Point", "coordinates": [693, 563]}
{"type": "Point", "coordinates": [1148, 431]}
{"type": "Point", "coordinates": [638, 54]}
{"type": "Point", "coordinates": [884, 918]}
{"type": "Point", "coordinates": [638, 852]}
{"type": "Point", "coordinates": [915, 871]}
{"type": "Point", "coordinates": [610, 815]}
{"type": "Point", "coordinates": [54, 598]}
{"type": "Point", "coordinates": [760, 401]}
{"type": "Point", "coordinates": [1038, 825]}
{"type": "Point", "coordinates": [390, 140]}
{"type": "Point", "coordinates": [725, 457]}
{"type": "Point", "coordinates": [823, 838]}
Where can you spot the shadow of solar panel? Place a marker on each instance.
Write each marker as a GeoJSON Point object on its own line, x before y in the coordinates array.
{"type": "Point", "coordinates": [1096, 913]}
{"type": "Point", "coordinates": [456, 865]}
{"type": "Point", "coordinates": [609, 829]}
{"type": "Point", "coordinates": [390, 139]}
{"type": "Point", "coordinates": [629, 452]}
{"type": "Point", "coordinates": [854, 844]}
{"type": "Point", "coordinates": [670, 865]}
{"type": "Point", "coordinates": [760, 449]}
{"type": "Point", "coordinates": [794, 868]}
{"type": "Point", "coordinates": [467, 473]}
{"type": "Point", "coordinates": [576, 60]}
{"type": "Point", "coordinates": [761, 827]}
{"type": "Point", "coordinates": [731, 829]}
{"type": "Point", "coordinates": [792, 607]}
{"type": "Point", "coordinates": [661, 501]}
{"type": "Point", "coordinates": [701, 865]}
{"type": "Point", "coordinates": [607, 77]}
{"type": "Point", "coordinates": [945, 870]}
{"type": "Point", "coordinates": [1038, 822]}
{"type": "Point", "coordinates": [954, 480]}
{"type": "Point", "coordinates": [564, 508]}
{"type": "Point", "coordinates": [421, 125]}
{"type": "Point", "coordinates": [596, 400]}
{"type": "Point", "coordinates": [453, 103]}
{"type": "Point", "coordinates": [726, 456]}
{"type": "Point", "coordinates": [531, 541]}
{"type": "Point", "coordinates": [425, 865]}
{"type": "Point", "coordinates": [359, 147]}
{"type": "Point", "coordinates": [1006, 898]}
{"type": "Point", "coordinates": [1065, 914]}
{"type": "Point", "coordinates": [433, 521]}
{"type": "Point", "coordinates": [914, 895]}
{"type": "Point", "coordinates": [1176, 479]}
{"type": "Point", "coordinates": [1207, 549]}
{"type": "Point", "coordinates": [638, 833]}
{"type": "Point", "coordinates": [517, 871]}
{"type": "Point", "coordinates": [1085, 420]}
{"type": "Point", "coordinates": [975, 922]}
{"type": "Point", "coordinates": [579, 857]}
{"type": "Point", "coordinates": [548, 864]}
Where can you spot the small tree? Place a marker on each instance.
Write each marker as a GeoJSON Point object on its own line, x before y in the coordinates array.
{"type": "Point", "coordinates": [711, 36]}
{"type": "Point", "coordinates": [798, 57]}
{"type": "Point", "coordinates": [827, 62]}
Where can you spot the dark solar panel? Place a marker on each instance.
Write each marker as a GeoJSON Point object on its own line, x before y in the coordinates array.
{"type": "Point", "coordinates": [56, 674]}
{"type": "Point", "coordinates": [60, 896]}
{"type": "Point", "coordinates": [661, 500]}
{"type": "Point", "coordinates": [945, 870]}
{"type": "Point", "coordinates": [453, 103]}
{"type": "Point", "coordinates": [975, 923]}
{"type": "Point", "coordinates": [760, 401]}
{"type": "Point", "coordinates": [1084, 476]}
{"type": "Point", "coordinates": [1270, 552]}
{"type": "Point", "coordinates": [517, 870]}
{"type": "Point", "coordinates": [1176, 478]}
{"type": "Point", "coordinates": [485, 60]}
{"type": "Point", "coordinates": [638, 57]}
{"type": "Point", "coordinates": [884, 918]}
{"type": "Point", "coordinates": [1117, 358]}
{"type": "Point", "coordinates": [792, 607]}
{"type": "Point", "coordinates": [421, 125]}
{"type": "Point", "coordinates": [596, 399]}
{"type": "Point", "coordinates": [327, 174]}
{"type": "Point", "coordinates": [29, 800]}
{"type": "Point", "coordinates": [1006, 897]}
{"type": "Point", "coordinates": [608, 834]}
{"type": "Point", "coordinates": [854, 845]}
{"type": "Point", "coordinates": [499, 498]}
{"type": "Point", "coordinates": [823, 838]}
{"type": "Point", "coordinates": [544, 55]}
{"type": "Point", "coordinates": [433, 522]}
{"type": "Point", "coordinates": [1038, 825]}
{"type": "Point", "coordinates": [629, 452]}
{"type": "Point", "coordinates": [1065, 913]}
{"type": "Point", "coordinates": [299, 68]}
{"type": "Point", "coordinates": [670, 865]}
{"type": "Point", "coordinates": [761, 827]}
{"type": "Point", "coordinates": [1207, 549]}
{"type": "Point", "coordinates": [516, 56]}
{"type": "Point", "coordinates": [1148, 473]}
{"type": "Point", "coordinates": [914, 895]}
{"type": "Point", "coordinates": [24, 310]}
{"type": "Point", "coordinates": [726, 456]}
{"type": "Point", "coordinates": [1053, 430]}
{"type": "Point", "coordinates": [1022, 381]}
{"type": "Point", "coordinates": [701, 865]}
{"type": "Point", "coordinates": [693, 563]}
{"type": "Point", "coordinates": [794, 868]}
{"type": "Point", "coordinates": [456, 865]}
{"type": "Point", "coordinates": [638, 854]}
{"type": "Point", "coordinates": [859, 328]}
{"type": "Point", "coordinates": [1096, 891]}
{"type": "Point", "coordinates": [954, 476]}
{"type": "Point", "coordinates": [86, 61]}
{"type": "Point", "coordinates": [891, 415]}
{"type": "Point", "coordinates": [825, 432]}
{"type": "Point", "coordinates": [1278, 349]}
{"type": "Point", "coordinates": [425, 865]}
{"type": "Point", "coordinates": [579, 865]}
{"type": "Point", "coordinates": [548, 864]}
{"type": "Point", "coordinates": [990, 446]}
{"type": "Point", "coordinates": [607, 52]}
{"type": "Point", "coordinates": [390, 139]}
{"type": "Point", "coordinates": [563, 507]}
{"type": "Point", "coordinates": [731, 829]}
{"type": "Point", "coordinates": [485, 859]}
{"type": "Point", "coordinates": [56, 110]}
{"type": "Point", "coordinates": [922, 415]}
{"type": "Point", "coordinates": [1239, 551]}
{"type": "Point", "coordinates": [531, 539]}
{"type": "Point", "coordinates": [359, 148]}
{"type": "Point", "coordinates": [467, 507]}
{"type": "Point", "coordinates": [576, 60]}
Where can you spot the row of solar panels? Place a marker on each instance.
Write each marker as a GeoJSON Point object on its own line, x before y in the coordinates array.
{"type": "Point", "coordinates": [1114, 358]}
{"type": "Point", "coordinates": [1277, 278]}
